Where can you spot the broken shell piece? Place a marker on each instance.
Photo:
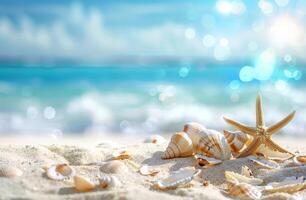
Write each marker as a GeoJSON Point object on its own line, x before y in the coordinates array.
{"type": "Point", "coordinates": [243, 191]}
{"type": "Point", "coordinates": [236, 140]}
{"type": "Point", "coordinates": [288, 185]}
{"type": "Point", "coordinates": [246, 171]}
{"type": "Point", "coordinates": [299, 160]}
{"type": "Point", "coordinates": [179, 146]}
{"type": "Point", "coordinates": [178, 178]}
{"type": "Point", "coordinates": [238, 178]}
{"type": "Point", "coordinates": [155, 139]}
{"type": "Point", "coordinates": [146, 170]}
{"type": "Point", "coordinates": [213, 144]}
{"type": "Point", "coordinates": [206, 161]}
{"type": "Point", "coordinates": [83, 184]}
{"type": "Point", "coordinates": [60, 172]}
{"type": "Point", "coordinates": [272, 154]}
{"type": "Point", "coordinates": [9, 171]}
{"type": "Point", "coordinates": [269, 164]}
{"type": "Point", "coordinates": [121, 155]}
{"type": "Point", "coordinates": [114, 166]}
{"type": "Point", "coordinates": [109, 182]}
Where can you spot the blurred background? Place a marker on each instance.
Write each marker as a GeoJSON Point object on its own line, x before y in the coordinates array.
{"type": "Point", "coordinates": [147, 67]}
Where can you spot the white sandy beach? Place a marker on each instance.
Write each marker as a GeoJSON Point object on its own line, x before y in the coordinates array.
{"type": "Point", "coordinates": [86, 155]}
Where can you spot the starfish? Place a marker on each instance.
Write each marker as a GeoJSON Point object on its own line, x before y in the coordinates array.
{"type": "Point", "coordinates": [261, 134]}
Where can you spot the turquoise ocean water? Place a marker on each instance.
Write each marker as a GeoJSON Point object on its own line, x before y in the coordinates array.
{"type": "Point", "coordinates": [152, 99]}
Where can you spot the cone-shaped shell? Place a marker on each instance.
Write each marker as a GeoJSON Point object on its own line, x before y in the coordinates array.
{"type": "Point", "coordinates": [236, 140]}
{"type": "Point", "coordinates": [83, 184]}
{"type": "Point", "coordinates": [213, 144]}
{"type": "Point", "coordinates": [179, 146]}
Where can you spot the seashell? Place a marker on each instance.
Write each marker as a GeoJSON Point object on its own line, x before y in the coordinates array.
{"type": "Point", "coordinates": [246, 171]}
{"type": "Point", "coordinates": [237, 140]}
{"type": "Point", "coordinates": [179, 146]}
{"type": "Point", "coordinates": [155, 139]}
{"type": "Point", "coordinates": [243, 191]}
{"type": "Point", "coordinates": [299, 160]}
{"type": "Point", "coordinates": [60, 172]}
{"type": "Point", "coordinates": [269, 164]}
{"type": "Point", "coordinates": [83, 184]}
{"type": "Point", "coordinates": [193, 130]}
{"type": "Point", "coordinates": [109, 182]}
{"type": "Point", "coordinates": [114, 167]}
{"type": "Point", "coordinates": [272, 154]}
{"type": "Point", "coordinates": [288, 185]}
{"type": "Point", "coordinates": [213, 144]}
{"type": "Point", "coordinates": [121, 155]}
{"type": "Point", "coordinates": [206, 161]}
{"type": "Point", "coordinates": [146, 170]}
{"type": "Point", "coordinates": [238, 178]}
{"type": "Point", "coordinates": [178, 178]}
{"type": "Point", "coordinates": [9, 171]}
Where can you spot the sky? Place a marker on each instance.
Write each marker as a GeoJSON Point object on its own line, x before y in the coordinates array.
{"type": "Point", "coordinates": [102, 31]}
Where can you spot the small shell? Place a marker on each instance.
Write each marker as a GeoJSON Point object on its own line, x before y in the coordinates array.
{"type": "Point", "coordinates": [9, 171]}
{"type": "Point", "coordinates": [272, 154]}
{"type": "Point", "coordinates": [213, 144]}
{"type": "Point", "coordinates": [206, 161]}
{"type": "Point", "coordinates": [83, 184]}
{"type": "Point", "coordinates": [299, 160]}
{"type": "Point", "coordinates": [246, 171]}
{"type": "Point", "coordinates": [109, 182]}
{"type": "Point", "coordinates": [155, 139]}
{"type": "Point", "coordinates": [114, 167]}
{"type": "Point", "coordinates": [288, 185]}
{"type": "Point", "coordinates": [177, 178]}
{"type": "Point", "coordinates": [243, 191]}
{"type": "Point", "coordinates": [269, 164]}
{"type": "Point", "coordinates": [236, 140]}
{"type": "Point", "coordinates": [238, 178]}
{"type": "Point", "coordinates": [121, 155]}
{"type": "Point", "coordinates": [60, 172]}
{"type": "Point", "coordinates": [146, 170]}
{"type": "Point", "coordinates": [179, 146]}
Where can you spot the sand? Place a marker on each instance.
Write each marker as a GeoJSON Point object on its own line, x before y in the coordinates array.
{"type": "Point", "coordinates": [86, 155]}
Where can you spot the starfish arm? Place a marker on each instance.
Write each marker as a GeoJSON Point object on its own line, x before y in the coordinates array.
{"type": "Point", "coordinates": [276, 127]}
{"type": "Point", "coordinates": [251, 148]}
{"type": "Point", "coordinates": [272, 145]}
{"type": "Point", "coordinates": [259, 112]}
{"type": "Point", "coordinates": [245, 129]}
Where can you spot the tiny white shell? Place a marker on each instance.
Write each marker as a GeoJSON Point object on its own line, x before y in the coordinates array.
{"type": "Point", "coordinates": [206, 161]}
{"type": "Point", "coordinates": [60, 172]}
{"type": "Point", "coordinates": [146, 170]}
{"type": "Point", "coordinates": [155, 139]}
{"type": "Point", "coordinates": [246, 171]}
{"type": "Point", "coordinates": [243, 191]}
{"type": "Point", "coordinates": [238, 178]}
{"type": "Point", "coordinates": [177, 178]}
{"type": "Point", "coordinates": [109, 182]}
{"type": "Point", "coordinates": [9, 171]}
{"type": "Point", "coordinates": [114, 166]}
{"type": "Point", "coordinates": [269, 164]}
{"type": "Point", "coordinates": [121, 155]}
{"type": "Point", "coordinates": [83, 184]}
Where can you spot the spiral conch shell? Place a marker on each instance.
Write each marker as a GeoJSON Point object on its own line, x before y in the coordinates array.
{"type": "Point", "coordinates": [179, 146]}
{"type": "Point", "coordinates": [236, 140]}
{"type": "Point", "coordinates": [213, 144]}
